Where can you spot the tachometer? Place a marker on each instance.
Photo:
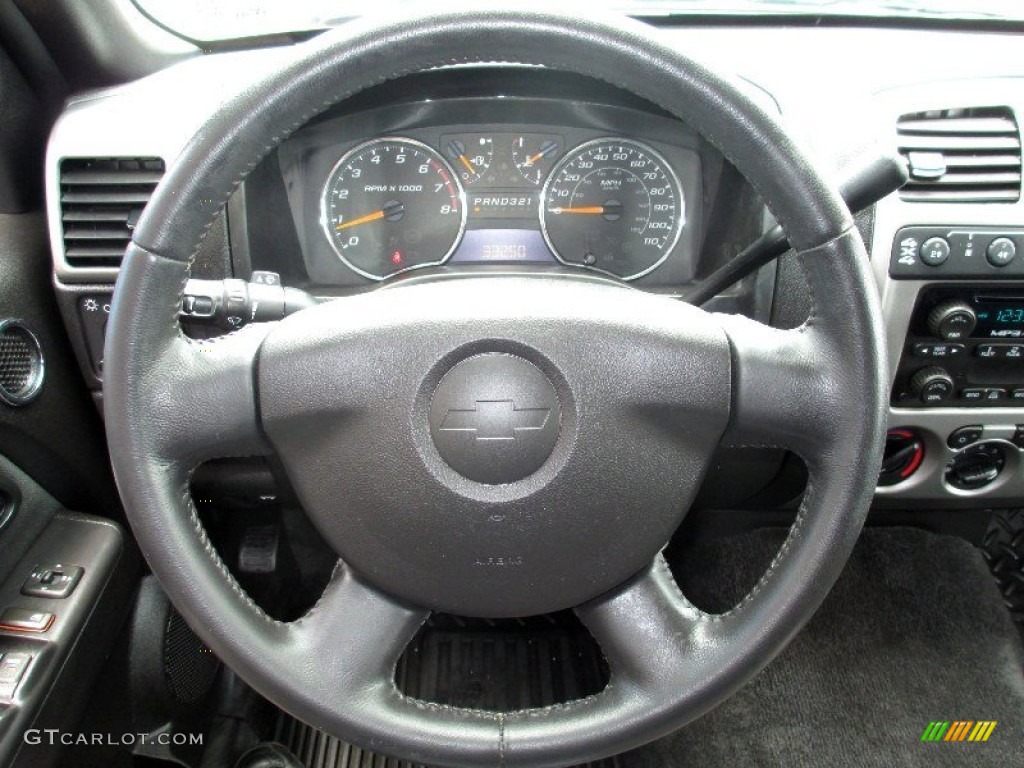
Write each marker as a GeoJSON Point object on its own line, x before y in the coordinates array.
{"type": "Point", "coordinates": [391, 205]}
{"type": "Point", "coordinates": [613, 205]}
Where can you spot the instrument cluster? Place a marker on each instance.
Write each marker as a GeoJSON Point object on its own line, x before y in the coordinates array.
{"type": "Point", "coordinates": [412, 197]}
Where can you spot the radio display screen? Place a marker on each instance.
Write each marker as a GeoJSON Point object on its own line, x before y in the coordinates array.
{"type": "Point", "coordinates": [1000, 319]}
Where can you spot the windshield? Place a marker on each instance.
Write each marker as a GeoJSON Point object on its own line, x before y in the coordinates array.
{"type": "Point", "coordinates": [208, 20]}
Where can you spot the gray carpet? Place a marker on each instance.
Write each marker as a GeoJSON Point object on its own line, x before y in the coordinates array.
{"type": "Point", "coordinates": [914, 631]}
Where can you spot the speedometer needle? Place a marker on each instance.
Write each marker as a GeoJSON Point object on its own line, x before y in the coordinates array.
{"type": "Point", "coordinates": [376, 215]}
{"type": "Point", "coordinates": [595, 209]}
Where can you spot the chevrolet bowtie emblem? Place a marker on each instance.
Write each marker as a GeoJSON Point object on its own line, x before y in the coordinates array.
{"type": "Point", "coordinates": [495, 420]}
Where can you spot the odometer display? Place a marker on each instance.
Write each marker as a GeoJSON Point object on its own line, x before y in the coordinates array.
{"type": "Point", "coordinates": [613, 205]}
{"type": "Point", "coordinates": [391, 205]}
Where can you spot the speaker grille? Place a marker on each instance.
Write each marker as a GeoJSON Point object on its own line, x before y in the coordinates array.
{"type": "Point", "coordinates": [189, 665]}
{"type": "Point", "coordinates": [21, 363]}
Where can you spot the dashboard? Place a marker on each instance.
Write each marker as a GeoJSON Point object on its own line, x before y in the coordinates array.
{"type": "Point", "coordinates": [497, 169]}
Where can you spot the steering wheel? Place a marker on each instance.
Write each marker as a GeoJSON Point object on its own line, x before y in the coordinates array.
{"type": "Point", "coordinates": [620, 398]}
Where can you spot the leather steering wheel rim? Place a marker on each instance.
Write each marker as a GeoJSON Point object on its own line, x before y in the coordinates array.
{"type": "Point", "coordinates": [819, 391]}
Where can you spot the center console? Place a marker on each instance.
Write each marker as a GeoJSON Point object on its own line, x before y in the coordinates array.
{"type": "Point", "coordinates": [948, 254]}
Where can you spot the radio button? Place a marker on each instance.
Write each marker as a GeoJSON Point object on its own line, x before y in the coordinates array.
{"type": "Point", "coordinates": [994, 395]}
{"type": "Point", "coordinates": [1000, 251]}
{"type": "Point", "coordinates": [1017, 395]}
{"type": "Point", "coordinates": [972, 394]}
{"type": "Point", "coordinates": [934, 251]}
{"type": "Point", "coordinates": [989, 351]}
{"type": "Point", "coordinates": [938, 350]}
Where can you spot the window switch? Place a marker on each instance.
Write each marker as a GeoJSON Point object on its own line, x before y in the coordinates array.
{"type": "Point", "coordinates": [53, 581]}
{"type": "Point", "coordinates": [24, 620]}
{"type": "Point", "coordinates": [12, 669]}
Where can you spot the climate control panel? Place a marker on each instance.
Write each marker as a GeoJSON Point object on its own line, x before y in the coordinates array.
{"type": "Point", "coordinates": [964, 347]}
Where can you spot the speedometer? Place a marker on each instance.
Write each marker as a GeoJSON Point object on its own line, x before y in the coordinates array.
{"type": "Point", "coordinates": [391, 205]}
{"type": "Point", "coordinates": [613, 205]}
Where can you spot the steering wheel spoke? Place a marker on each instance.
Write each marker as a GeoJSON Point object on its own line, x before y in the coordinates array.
{"type": "Point", "coordinates": [207, 399]}
{"type": "Point", "coordinates": [784, 387]}
{"type": "Point", "coordinates": [357, 634]}
{"type": "Point", "coordinates": [646, 628]}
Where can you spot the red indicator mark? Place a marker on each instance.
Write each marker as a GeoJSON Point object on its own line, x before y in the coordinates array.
{"type": "Point", "coordinates": [396, 257]}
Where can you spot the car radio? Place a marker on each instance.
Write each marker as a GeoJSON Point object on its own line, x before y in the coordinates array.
{"type": "Point", "coordinates": [964, 347]}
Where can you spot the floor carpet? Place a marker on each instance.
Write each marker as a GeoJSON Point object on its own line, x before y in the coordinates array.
{"type": "Point", "coordinates": [914, 632]}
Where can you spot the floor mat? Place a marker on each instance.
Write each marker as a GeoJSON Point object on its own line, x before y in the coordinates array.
{"type": "Point", "coordinates": [914, 632]}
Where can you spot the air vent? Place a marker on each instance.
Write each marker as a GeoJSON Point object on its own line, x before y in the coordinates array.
{"type": "Point", "coordinates": [100, 202]}
{"type": "Point", "coordinates": [961, 156]}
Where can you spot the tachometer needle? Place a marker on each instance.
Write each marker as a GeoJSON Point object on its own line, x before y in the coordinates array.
{"type": "Point", "coordinates": [465, 161]}
{"type": "Point", "coordinates": [375, 216]}
{"type": "Point", "coordinates": [593, 209]}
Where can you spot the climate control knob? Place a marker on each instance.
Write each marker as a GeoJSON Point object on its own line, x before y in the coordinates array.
{"type": "Point", "coordinates": [952, 320]}
{"type": "Point", "coordinates": [932, 385]}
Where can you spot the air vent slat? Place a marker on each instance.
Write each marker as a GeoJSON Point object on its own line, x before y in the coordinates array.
{"type": "Point", "coordinates": [965, 125]}
{"type": "Point", "coordinates": [100, 199]}
{"type": "Point", "coordinates": [959, 195]}
{"type": "Point", "coordinates": [96, 214]}
{"type": "Point", "coordinates": [982, 161]}
{"type": "Point", "coordinates": [111, 177]}
{"type": "Point", "coordinates": [1008, 179]}
{"type": "Point", "coordinates": [954, 143]}
{"type": "Point", "coordinates": [98, 195]}
{"type": "Point", "coordinates": [961, 155]}
{"type": "Point", "coordinates": [97, 252]}
{"type": "Point", "coordinates": [96, 233]}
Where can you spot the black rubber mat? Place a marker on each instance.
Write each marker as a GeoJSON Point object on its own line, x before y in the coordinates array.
{"type": "Point", "coordinates": [500, 666]}
{"type": "Point", "coordinates": [1004, 551]}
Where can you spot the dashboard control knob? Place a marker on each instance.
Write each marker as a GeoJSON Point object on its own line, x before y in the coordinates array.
{"type": "Point", "coordinates": [1001, 251]}
{"type": "Point", "coordinates": [952, 320]}
{"type": "Point", "coordinates": [934, 251]}
{"type": "Point", "coordinates": [976, 467]}
{"type": "Point", "coordinates": [904, 452]}
{"type": "Point", "coordinates": [932, 385]}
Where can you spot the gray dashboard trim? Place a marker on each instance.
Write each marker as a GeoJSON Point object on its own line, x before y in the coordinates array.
{"type": "Point", "coordinates": [899, 296]}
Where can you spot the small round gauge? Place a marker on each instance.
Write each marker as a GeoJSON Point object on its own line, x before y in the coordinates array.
{"type": "Point", "coordinates": [470, 156]}
{"type": "Point", "coordinates": [533, 156]}
{"type": "Point", "coordinates": [391, 205]}
{"type": "Point", "coordinates": [614, 205]}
